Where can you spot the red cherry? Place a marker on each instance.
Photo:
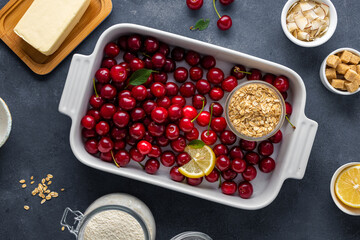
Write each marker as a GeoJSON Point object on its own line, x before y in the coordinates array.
{"type": "Point", "coordinates": [209, 137]}
{"type": "Point", "coordinates": [119, 145]}
{"type": "Point", "coordinates": [224, 23]}
{"type": "Point", "coordinates": [216, 93]}
{"type": "Point", "coordinates": [228, 187]}
{"type": "Point", "coordinates": [136, 64]}
{"type": "Point", "coordinates": [167, 158]}
{"type": "Point", "coordinates": [236, 152]}
{"type": "Point", "coordinates": [159, 114]}
{"type": "Point", "coordinates": [277, 137]}
{"type": "Point", "coordinates": [229, 174]}
{"type": "Point", "coordinates": [194, 4]}
{"type": "Point", "coordinates": [88, 122]}
{"type": "Point", "coordinates": [218, 124]}
{"type": "Point", "coordinates": [158, 60]}
{"type": "Point", "coordinates": [108, 63]}
{"type": "Point", "coordinates": [164, 49]}
{"type": "Point", "coordinates": [269, 78]}
{"type": "Point", "coordinates": [112, 50]}
{"type": "Point", "coordinates": [208, 62]}
{"type": "Point", "coordinates": [194, 181]}
{"type": "Point", "coordinates": [196, 73]}
{"type": "Point", "coordinates": [266, 148]}
{"type": "Point", "coordinates": [102, 75]}
{"type": "Point", "coordinates": [96, 102]}
{"type": "Point", "coordinates": [106, 157]}
{"type": "Point", "coordinates": [252, 158]}
{"type": "Point", "coordinates": [152, 165]}
{"type": "Point", "coordinates": [136, 155]}
{"type": "Point", "coordinates": [128, 56]}
{"type": "Point", "coordinates": [122, 158]}
{"type": "Point", "coordinates": [186, 125]}
{"type": "Point", "coordinates": [151, 45]}
{"type": "Point", "coordinates": [122, 42]}
{"type": "Point", "coordinates": [288, 108]}
{"type": "Point", "coordinates": [161, 77]}
{"type": "Point", "coordinates": [169, 65]}
{"type": "Point", "coordinates": [127, 103]}
{"type": "Point", "coordinates": [183, 158]}
{"type": "Point", "coordinates": [189, 112]}
{"type": "Point", "coordinates": [171, 89]}
{"type": "Point", "coordinates": [180, 74]}
{"type": "Point", "coordinates": [162, 141]}
{"type": "Point", "coordinates": [247, 145]}
{"type": "Point", "coordinates": [108, 91]}
{"type": "Point", "coordinates": [213, 176]}
{"type": "Point", "coordinates": [249, 173]}
{"type": "Point", "coordinates": [284, 95]}
{"type": "Point", "coordinates": [174, 112]}
{"type": "Point", "coordinates": [88, 133]}
{"type": "Point", "coordinates": [179, 144]}
{"type": "Point", "coordinates": [178, 100]}
{"type": "Point", "coordinates": [192, 58]}
{"type": "Point", "coordinates": [238, 71]}
{"type": "Point", "coordinates": [95, 113]}
{"type": "Point", "coordinates": [255, 75]}
{"type": "Point", "coordinates": [192, 135]}
{"type": "Point", "coordinates": [215, 75]}
{"type": "Point", "coordinates": [176, 175]}
{"type": "Point", "coordinates": [144, 147]}
{"type": "Point", "coordinates": [107, 110]}
{"type": "Point", "coordinates": [91, 146]}
{"type": "Point", "coordinates": [102, 128]}
{"type": "Point", "coordinates": [164, 102]}
{"type": "Point", "coordinates": [267, 165]}
{"type": "Point", "coordinates": [178, 53]}
{"type": "Point", "coordinates": [238, 165]}
{"type": "Point", "coordinates": [281, 83]}
{"type": "Point", "coordinates": [134, 43]}
{"type": "Point", "coordinates": [217, 109]}
{"type": "Point", "coordinates": [203, 86]}
{"type": "Point", "coordinates": [118, 74]}
{"type": "Point", "coordinates": [105, 145]}
{"type": "Point", "coordinates": [187, 89]}
{"type": "Point", "coordinates": [137, 131]}
{"type": "Point", "coordinates": [229, 83]}
{"type": "Point", "coordinates": [118, 133]}
{"type": "Point", "coordinates": [222, 163]}
{"type": "Point", "coordinates": [203, 119]}
{"type": "Point", "coordinates": [198, 101]}
{"type": "Point", "coordinates": [220, 149]}
{"type": "Point", "coordinates": [172, 131]}
{"type": "Point", "coordinates": [227, 137]}
{"type": "Point", "coordinates": [245, 190]}
{"type": "Point", "coordinates": [158, 89]}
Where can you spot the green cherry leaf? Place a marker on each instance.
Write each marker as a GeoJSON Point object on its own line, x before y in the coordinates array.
{"type": "Point", "coordinates": [201, 24]}
{"type": "Point", "coordinates": [140, 76]}
{"type": "Point", "coordinates": [196, 144]}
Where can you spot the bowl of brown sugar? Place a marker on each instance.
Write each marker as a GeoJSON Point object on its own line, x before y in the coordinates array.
{"type": "Point", "coordinates": [255, 110]}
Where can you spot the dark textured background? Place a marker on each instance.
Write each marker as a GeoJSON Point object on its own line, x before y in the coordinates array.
{"type": "Point", "coordinates": [39, 139]}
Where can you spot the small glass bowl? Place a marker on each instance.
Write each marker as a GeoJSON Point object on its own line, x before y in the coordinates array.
{"type": "Point", "coordinates": [278, 126]}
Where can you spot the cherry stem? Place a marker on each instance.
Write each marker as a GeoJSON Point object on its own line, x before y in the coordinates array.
{"type": "Point", "coordinates": [202, 108]}
{"type": "Point", "coordinates": [216, 9]}
{"type": "Point", "coordinates": [112, 155]}
{"type": "Point", "coordinates": [211, 113]}
{"type": "Point", "coordinates": [96, 94]}
{"type": "Point", "coordinates": [143, 53]}
{"type": "Point", "coordinates": [237, 70]}
{"type": "Point", "coordinates": [143, 167]}
{"type": "Point", "coordinates": [219, 181]}
{"type": "Point", "coordinates": [287, 118]}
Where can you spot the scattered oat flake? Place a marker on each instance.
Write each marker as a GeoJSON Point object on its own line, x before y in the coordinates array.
{"type": "Point", "coordinates": [23, 186]}
{"type": "Point", "coordinates": [63, 189]}
{"type": "Point", "coordinates": [47, 179]}
{"type": "Point", "coordinates": [32, 177]}
{"type": "Point", "coordinates": [26, 207]}
{"type": "Point", "coordinates": [42, 201]}
{"type": "Point", "coordinates": [32, 182]}
{"type": "Point", "coordinates": [22, 181]}
{"type": "Point", "coordinates": [49, 182]}
{"type": "Point", "coordinates": [50, 176]}
{"type": "Point", "coordinates": [43, 180]}
{"type": "Point", "coordinates": [63, 228]}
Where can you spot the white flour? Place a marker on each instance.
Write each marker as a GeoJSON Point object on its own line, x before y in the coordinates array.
{"type": "Point", "coordinates": [113, 225]}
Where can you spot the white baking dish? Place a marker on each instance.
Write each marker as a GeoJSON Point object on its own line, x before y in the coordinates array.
{"type": "Point", "coordinates": [291, 155]}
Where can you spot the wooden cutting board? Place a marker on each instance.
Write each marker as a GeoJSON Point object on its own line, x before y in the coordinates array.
{"type": "Point", "coordinates": [12, 12]}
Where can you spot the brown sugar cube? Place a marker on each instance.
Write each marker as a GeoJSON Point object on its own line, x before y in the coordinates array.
{"type": "Point", "coordinates": [354, 59]}
{"type": "Point", "coordinates": [342, 68]}
{"type": "Point", "coordinates": [333, 61]}
{"type": "Point", "coordinates": [358, 69]}
{"type": "Point", "coordinates": [357, 79]}
{"type": "Point", "coordinates": [350, 75]}
{"type": "Point", "coordinates": [330, 73]}
{"type": "Point", "coordinates": [351, 86]}
{"type": "Point", "coordinates": [353, 67]}
{"type": "Point", "coordinates": [338, 83]}
{"type": "Point", "coordinates": [345, 56]}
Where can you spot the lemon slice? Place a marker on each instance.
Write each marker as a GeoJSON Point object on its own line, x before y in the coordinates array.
{"type": "Point", "coordinates": [347, 186]}
{"type": "Point", "coordinates": [202, 162]}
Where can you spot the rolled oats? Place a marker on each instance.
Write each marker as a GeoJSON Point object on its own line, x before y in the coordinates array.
{"type": "Point", "coordinates": [255, 110]}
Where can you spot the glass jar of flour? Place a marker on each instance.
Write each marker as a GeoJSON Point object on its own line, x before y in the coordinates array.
{"type": "Point", "coordinates": [113, 216]}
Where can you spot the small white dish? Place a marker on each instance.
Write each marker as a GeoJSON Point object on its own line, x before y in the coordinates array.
{"type": "Point", "coordinates": [319, 41]}
{"type": "Point", "coordinates": [5, 122]}
{"type": "Point", "coordinates": [323, 76]}
{"type": "Point", "coordinates": [346, 209]}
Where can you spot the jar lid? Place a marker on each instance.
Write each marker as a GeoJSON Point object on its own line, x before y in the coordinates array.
{"type": "Point", "coordinates": [192, 236]}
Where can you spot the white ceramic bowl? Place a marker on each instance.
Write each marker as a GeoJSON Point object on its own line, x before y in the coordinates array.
{"type": "Point", "coordinates": [318, 41]}
{"type": "Point", "coordinates": [5, 122]}
{"type": "Point", "coordinates": [291, 154]}
{"type": "Point", "coordinates": [339, 204]}
{"type": "Point", "coordinates": [323, 76]}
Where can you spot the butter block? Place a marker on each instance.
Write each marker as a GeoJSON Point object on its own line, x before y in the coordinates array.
{"type": "Point", "coordinates": [47, 23]}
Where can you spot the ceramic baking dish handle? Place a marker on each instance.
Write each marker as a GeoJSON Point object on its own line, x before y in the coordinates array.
{"type": "Point", "coordinates": [76, 85]}
{"type": "Point", "coordinates": [304, 138]}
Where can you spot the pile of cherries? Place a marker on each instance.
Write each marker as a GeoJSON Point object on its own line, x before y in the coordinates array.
{"type": "Point", "coordinates": [126, 122]}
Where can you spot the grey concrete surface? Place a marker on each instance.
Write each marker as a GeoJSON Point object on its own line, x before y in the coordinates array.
{"type": "Point", "coordinates": [39, 139]}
